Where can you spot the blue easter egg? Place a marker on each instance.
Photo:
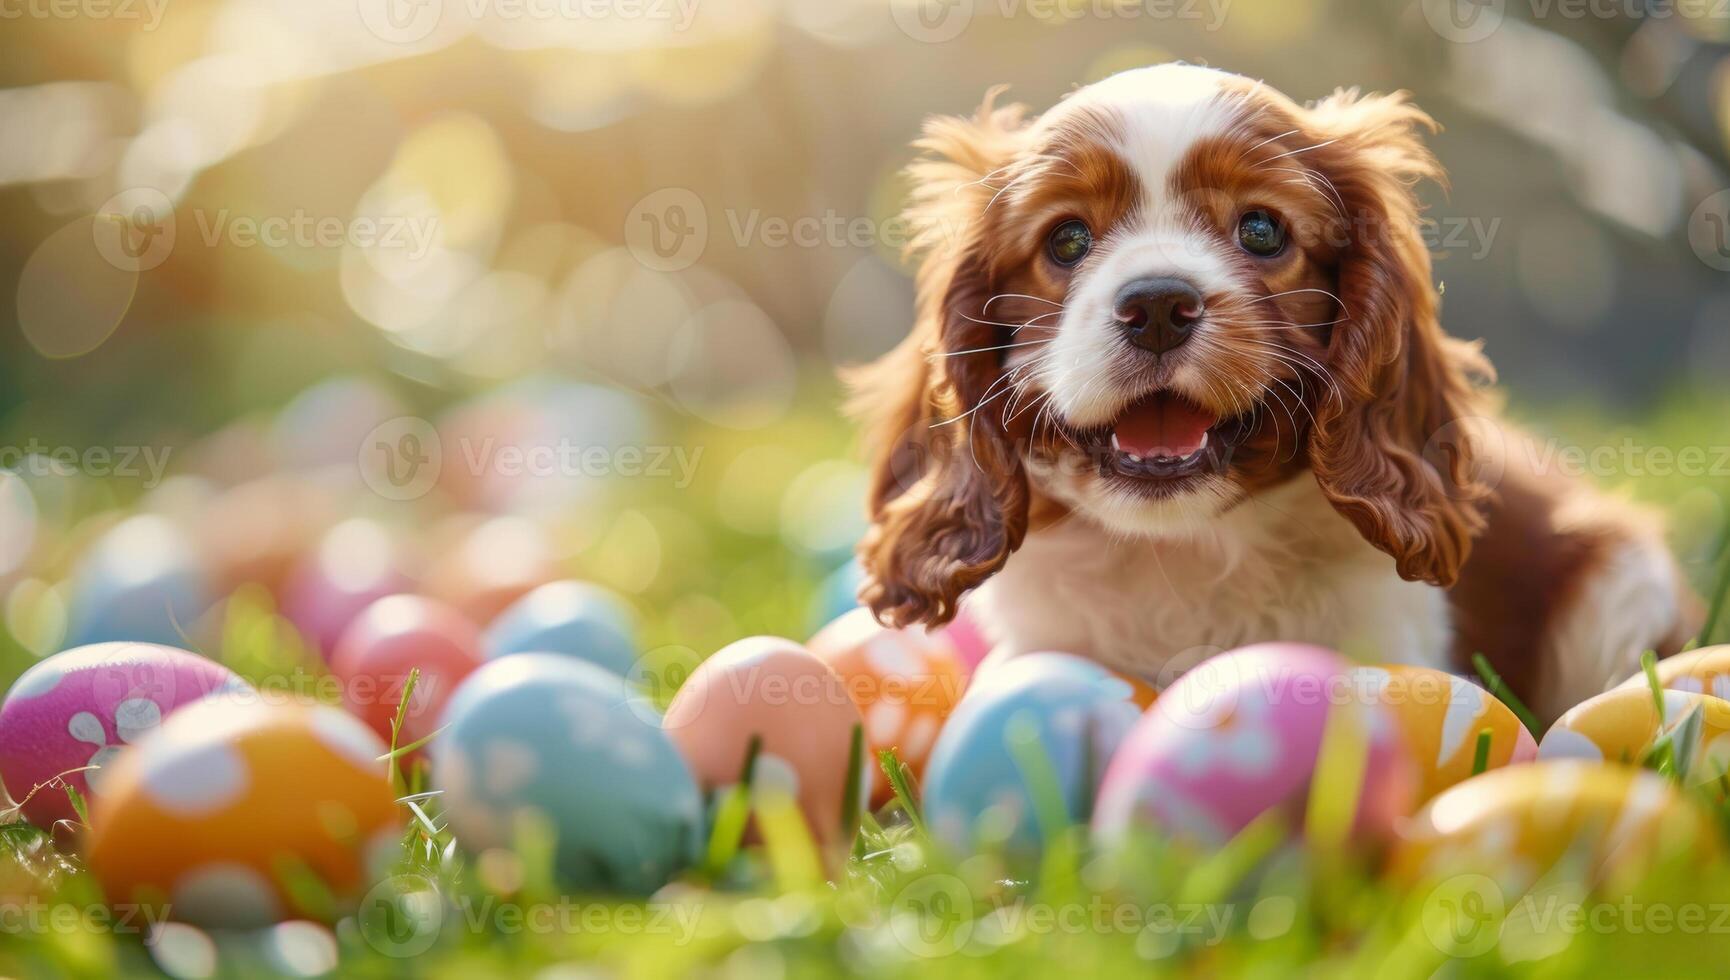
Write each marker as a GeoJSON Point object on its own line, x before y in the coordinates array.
{"type": "Point", "coordinates": [553, 735]}
{"type": "Point", "coordinates": [139, 582]}
{"type": "Point", "coordinates": [837, 594]}
{"type": "Point", "coordinates": [571, 618]}
{"type": "Point", "coordinates": [1044, 722]}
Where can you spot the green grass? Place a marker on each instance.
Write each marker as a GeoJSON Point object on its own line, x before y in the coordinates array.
{"type": "Point", "coordinates": [1273, 902]}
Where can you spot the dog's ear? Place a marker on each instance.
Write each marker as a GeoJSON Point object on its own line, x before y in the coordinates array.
{"type": "Point", "coordinates": [948, 496]}
{"type": "Point", "coordinates": [1393, 446]}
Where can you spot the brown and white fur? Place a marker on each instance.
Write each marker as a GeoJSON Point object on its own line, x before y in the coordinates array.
{"type": "Point", "coordinates": [1359, 493]}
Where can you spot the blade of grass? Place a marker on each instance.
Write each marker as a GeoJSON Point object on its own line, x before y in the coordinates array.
{"type": "Point", "coordinates": [901, 783]}
{"type": "Point", "coordinates": [1686, 739]}
{"type": "Point", "coordinates": [408, 687]}
{"type": "Point", "coordinates": [1481, 755]}
{"type": "Point", "coordinates": [1503, 693]}
{"type": "Point", "coordinates": [851, 804]}
{"type": "Point", "coordinates": [733, 814]}
{"type": "Point", "coordinates": [1649, 667]}
{"type": "Point", "coordinates": [78, 805]}
{"type": "Point", "coordinates": [1341, 763]}
{"type": "Point", "coordinates": [1720, 592]}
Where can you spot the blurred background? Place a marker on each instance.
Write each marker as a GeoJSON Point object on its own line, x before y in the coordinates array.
{"type": "Point", "coordinates": [496, 291]}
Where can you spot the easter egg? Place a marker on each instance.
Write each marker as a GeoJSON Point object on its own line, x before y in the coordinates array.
{"type": "Point", "coordinates": [1241, 735]}
{"type": "Point", "coordinates": [905, 683]}
{"type": "Point", "coordinates": [573, 744]}
{"type": "Point", "coordinates": [776, 690]}
{"type": "Point", "coordinates": [1441, 717]}
{"type": "Point", "coordinates": [575, 619]}
{"type": "Point", "coordinates": [1514, 824]}
{"type": "Point", "coordinates": [355, 565]}
{"type": "Point", "coordinates": [971, 644]}
{"type": "Point", "coordinates": [81, 707]}
{"type": "Point", "coordinates": [1061, 715]}
{"type": "Point", "coordinates": [388, 640]}
{"type": "Point", "coordinates": [227, 802]}
{"type": "Point", "coordinates": [1702, 671]}
{"type": "Point", "coordinates": [1620, 725]}
{"type": "Point", "coordinates": [141, 582]}
{"type": "Point", "coordinates": [490, 566]}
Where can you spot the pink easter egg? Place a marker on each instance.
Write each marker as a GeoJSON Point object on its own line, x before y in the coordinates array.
{"type": "Point", "coordinates": [81, 707]}
{"type": "Point", "coordinates": [355, 565]}
{"type": "Point", "coordinates": [382, 648]}
{"type": "Point", "coordinates": [1241, 735]}
{"type": "Point", "coordinates": [971, 646]}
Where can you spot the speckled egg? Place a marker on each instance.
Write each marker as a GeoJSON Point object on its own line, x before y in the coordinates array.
{"type": "Point", "coordinates": [388, 640]}
{"type": "Point", "coordinates": [772, 688]}
{"type": "Point", "coordinates": [570, 742]}
{"type": "Point", "coordinates": [905, 682]}
{"type": "Point", "coordinates": [225, 802]}
{"type": "Point", "coordinates": [1620, 725]}
{"type": "Point", "coordinates": [1067, 713]}
{"type": "Point", "coordinates": [575, 619]}
{"type": "Point", "coordinates": [1241, 735]}
{"type": "Point", "coordinates": [1702, 671]}
{"type": "Point", "coordinates": [1513, 824]}
{"type": "Point", "coordinates": [355, 565]}
{"type": "Point", "coordinates": [1440, 717]}
{"type": "Point", "coordinates": [81, 707]}
{"type": "Point", "coordinates": [141, 581]}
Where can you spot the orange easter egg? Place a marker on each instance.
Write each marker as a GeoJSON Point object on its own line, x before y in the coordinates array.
{"type": "Point", "coordinates": [905, 683]}
{"type": "Point", "coordinates": [774, 689]}
{"type": "Point", "coordinates": [212, 814]}
{"type": "Point", "coordinates": [1441, 718]}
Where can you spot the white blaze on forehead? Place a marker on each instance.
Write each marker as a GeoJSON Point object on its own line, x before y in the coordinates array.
{"type": "Point", "coordinates": [1161, 112]}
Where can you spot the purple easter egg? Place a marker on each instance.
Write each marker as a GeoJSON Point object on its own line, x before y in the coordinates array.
{"type": "Point", "coordinates": [1241, 735]}
{"type": "Point", "coordinates": [81, 707]}
{"type": "Point", "coordinates": [355, 565]}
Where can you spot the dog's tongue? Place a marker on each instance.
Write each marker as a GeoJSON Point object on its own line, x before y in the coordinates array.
{"type": "Point", "coordinates": [1163, 425]}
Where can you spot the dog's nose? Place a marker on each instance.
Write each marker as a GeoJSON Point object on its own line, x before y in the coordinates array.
{"type": "Point", "coordinates": [1158, 314]}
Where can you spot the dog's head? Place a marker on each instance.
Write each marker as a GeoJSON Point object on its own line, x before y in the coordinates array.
{"type": "Point", "coordinates": [1171, 291]}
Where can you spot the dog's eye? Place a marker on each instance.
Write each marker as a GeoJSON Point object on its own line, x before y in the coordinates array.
{"type": "Point", "coordinates": [1070, 242]}
{"type": "Point", "coordinates": [1260, 234]}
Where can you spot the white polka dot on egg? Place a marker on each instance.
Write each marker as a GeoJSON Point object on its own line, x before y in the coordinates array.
{"type": "Point", "coordinates": [194, 780]}
{"type": "Point", "coordinates": [225, 894]}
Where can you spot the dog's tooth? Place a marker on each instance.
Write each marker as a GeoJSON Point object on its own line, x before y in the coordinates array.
{"type": "Point", "coordinates": [1114, 446]}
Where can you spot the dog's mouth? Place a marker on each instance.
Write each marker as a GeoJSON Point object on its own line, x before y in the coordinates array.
{"type": "Point", "coordinates": [1163, 438]}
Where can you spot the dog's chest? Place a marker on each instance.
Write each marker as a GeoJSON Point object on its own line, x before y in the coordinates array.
{"type": "Point", "coordinates": [1155, 607]}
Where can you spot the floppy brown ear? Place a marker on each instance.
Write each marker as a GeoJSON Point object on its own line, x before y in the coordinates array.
{"type": "Point", "coordinates": [1393, 450]}
{"type": "Point", "coordinates": [948, 497]}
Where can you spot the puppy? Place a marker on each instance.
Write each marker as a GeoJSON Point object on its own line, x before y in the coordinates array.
{"type": "Point", "coordinates": [1177, 383]}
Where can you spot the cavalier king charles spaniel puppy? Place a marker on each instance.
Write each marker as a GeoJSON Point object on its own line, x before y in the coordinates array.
{"type": "Point", "coordinates": [1177, 383]}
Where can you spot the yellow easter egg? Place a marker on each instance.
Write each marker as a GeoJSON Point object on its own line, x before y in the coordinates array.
{"type": "Point", "coordinates": [1702, 671]}
{"type": "Point", "coordinates": [218, 815]}
{"type": "Point", "coordinates": [1514, 824]}
{"type": "Point", "coordinates": [1440, 717]}
{"type": "Point", "coordinates": [1622, 724]}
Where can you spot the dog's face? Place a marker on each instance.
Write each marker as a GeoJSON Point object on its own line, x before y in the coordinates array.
{"type": "Point", "coordinates": [1173, 290]}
